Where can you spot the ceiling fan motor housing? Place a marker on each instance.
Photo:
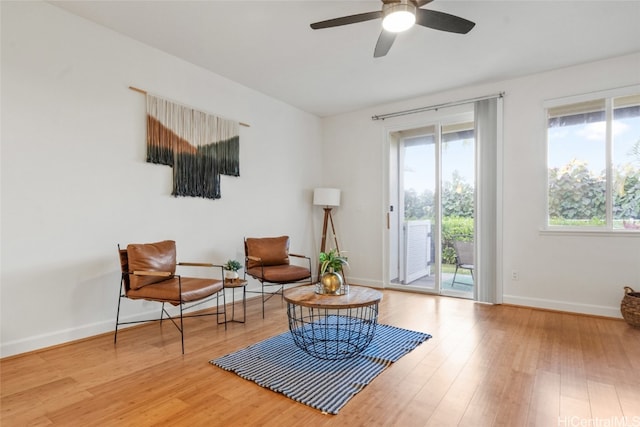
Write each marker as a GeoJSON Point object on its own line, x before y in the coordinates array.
{"type": "Point", "coordinates": [398, 16]}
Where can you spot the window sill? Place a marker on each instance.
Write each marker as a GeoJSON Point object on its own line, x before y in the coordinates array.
{"type": "Point", "coordinates": [588, 233]}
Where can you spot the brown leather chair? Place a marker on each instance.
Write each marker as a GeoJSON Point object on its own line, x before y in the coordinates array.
{"type": "Point", "coordinates": [267, 260]}
{"type": "Point", "coordinates": [148, 273]}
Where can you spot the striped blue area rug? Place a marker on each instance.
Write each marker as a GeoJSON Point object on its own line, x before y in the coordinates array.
{"type": "Point", "coordinates": [327, 385]}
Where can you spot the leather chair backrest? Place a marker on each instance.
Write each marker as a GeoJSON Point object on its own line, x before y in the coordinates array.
{"type": "Point", "coordinates": [159, 256]}
{"type": "Point", "coordinates": [272, 250]}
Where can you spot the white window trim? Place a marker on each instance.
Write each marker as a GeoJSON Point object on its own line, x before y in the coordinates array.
{"type": "Point", "coordinates": [574, 99]}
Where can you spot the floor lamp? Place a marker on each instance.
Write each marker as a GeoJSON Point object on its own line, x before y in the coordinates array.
{"type": "Point", "coordinates": [329, 198]}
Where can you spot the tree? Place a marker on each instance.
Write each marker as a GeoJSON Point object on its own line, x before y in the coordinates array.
{"type": "Point", "coordinates": [576, 193]}
{"type": "Point", "coordinates": [457, 197]}
{"type": "Point", "coordinates": [418, 206]}
{"type": "Point", "coordinates": [626, 185]}
{"type": "Point", "coordinates": [457, 200]}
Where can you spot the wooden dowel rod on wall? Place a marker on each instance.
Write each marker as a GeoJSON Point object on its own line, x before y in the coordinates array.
{"type": "Point", "coordinates": [144, 92]}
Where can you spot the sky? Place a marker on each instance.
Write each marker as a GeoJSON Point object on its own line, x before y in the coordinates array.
{"type": "Point", "coordinates": [588, 142]}
{"type": "Point", "coordinates": [420, 164]}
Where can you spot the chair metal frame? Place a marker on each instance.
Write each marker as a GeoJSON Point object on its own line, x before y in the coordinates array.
{"type": "Point", "coordinates": [183, 305]}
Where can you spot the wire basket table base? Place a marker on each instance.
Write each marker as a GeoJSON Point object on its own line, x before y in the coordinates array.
{"type": "Point", "coordinates": [332, 334]}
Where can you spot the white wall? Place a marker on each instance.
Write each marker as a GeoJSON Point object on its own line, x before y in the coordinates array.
{"type": "Point", "coordinates": [75, 182]}
{"type": "Point", "coordinates": [574, 273]}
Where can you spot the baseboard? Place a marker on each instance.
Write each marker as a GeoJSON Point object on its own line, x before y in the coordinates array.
{"type": "Point", "coordinates": [65, 336]}
{"type": "Point", "coordinates": [591, 309]}
{"type": "Point", "coordinates": [38, 342]}
{"type": "Point", "coordinates": [365, 282]}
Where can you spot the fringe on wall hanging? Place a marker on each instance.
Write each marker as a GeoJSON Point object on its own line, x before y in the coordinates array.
{"type": "Point", "coordinates": [199, 146]}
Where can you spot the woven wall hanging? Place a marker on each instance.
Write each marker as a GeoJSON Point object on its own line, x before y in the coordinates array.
{"type": "Point", "coordinates": [198, 146]}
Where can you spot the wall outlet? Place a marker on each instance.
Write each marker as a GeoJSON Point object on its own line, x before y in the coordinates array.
{"type": "Point", "coordinates": [515, 275]}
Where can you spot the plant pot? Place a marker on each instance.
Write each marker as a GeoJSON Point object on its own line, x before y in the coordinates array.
{"type": "Point", "coordinates": [231, 275]}
{"type": "Point", "coordinates": [331, 283]}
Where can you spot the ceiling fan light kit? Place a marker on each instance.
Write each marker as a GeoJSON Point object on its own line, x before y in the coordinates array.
{"type": "Point", "coordinates": [399, 17]}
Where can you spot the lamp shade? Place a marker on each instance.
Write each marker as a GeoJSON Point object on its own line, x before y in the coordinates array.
{"type": "Point", "coordinates": [326, 196]}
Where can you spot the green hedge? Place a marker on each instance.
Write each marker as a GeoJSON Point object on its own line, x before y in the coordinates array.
{"type": "Point", "coordinates": [454, 228]}
{"type": "Point", "coordinates": [577, 194]}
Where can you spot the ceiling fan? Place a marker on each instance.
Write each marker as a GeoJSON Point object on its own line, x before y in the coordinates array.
{"type": "Point", "coordinates": [398, 16]}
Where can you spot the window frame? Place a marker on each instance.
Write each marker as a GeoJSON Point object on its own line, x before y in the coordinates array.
{"type": "Point", "coordinates": [608, 96]}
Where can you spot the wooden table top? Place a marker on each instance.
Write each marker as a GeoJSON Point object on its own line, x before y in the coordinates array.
{"type": "Point", "coordinates": [358, 296]}
{"type": "Point", "coordinates": [234, 283]}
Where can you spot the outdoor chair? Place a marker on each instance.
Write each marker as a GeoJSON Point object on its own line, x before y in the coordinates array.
{"type": "Point", "coordinates": [464, 259]}
{"type": "Point", "coordinates": [267, 260]}
{"type": "Point", "coordinates": [148, 273]}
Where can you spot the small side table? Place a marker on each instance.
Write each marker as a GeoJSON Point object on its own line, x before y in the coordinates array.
{"type": "Point", "coordinates": [233, 284]}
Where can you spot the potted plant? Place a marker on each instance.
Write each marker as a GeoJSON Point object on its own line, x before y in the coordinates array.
{"type": "Point", "coordinates": [331, 266]}
{"type": "Point", "coordinates": [232, 266]}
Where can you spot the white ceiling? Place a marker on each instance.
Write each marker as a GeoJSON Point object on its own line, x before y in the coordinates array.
{"type": "Point", "coordinates": [268, 45]}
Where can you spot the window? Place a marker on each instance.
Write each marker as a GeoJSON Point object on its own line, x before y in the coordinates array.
{"type": "Point", "coordinates": [593, 161]}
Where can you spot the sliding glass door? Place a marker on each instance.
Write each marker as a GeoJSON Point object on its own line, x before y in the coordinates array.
{"type": "Point", "coordinates": [432, 208]}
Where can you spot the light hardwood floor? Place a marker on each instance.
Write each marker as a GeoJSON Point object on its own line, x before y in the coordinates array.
{"type": "Point", "coordinates": [484, 366]}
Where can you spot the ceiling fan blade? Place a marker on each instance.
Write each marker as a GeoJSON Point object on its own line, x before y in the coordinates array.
{"type": "Point", "coordinates": [443, 21]}
{"type": "Point", "coordinates": [384, 43]}
{"type": "Point", "coordinates": [420, 3]}
{"type": "Point", "coordinates": [345, 20]}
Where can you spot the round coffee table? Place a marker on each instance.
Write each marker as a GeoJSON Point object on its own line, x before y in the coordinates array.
{"type": "Point", "coordinates": [332, 326]}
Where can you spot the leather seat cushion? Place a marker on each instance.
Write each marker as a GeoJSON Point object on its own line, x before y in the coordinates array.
{"type": "Point", "coordinates": [193, 289]}
{"type": "Point", "coordinates": [280, 273]}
